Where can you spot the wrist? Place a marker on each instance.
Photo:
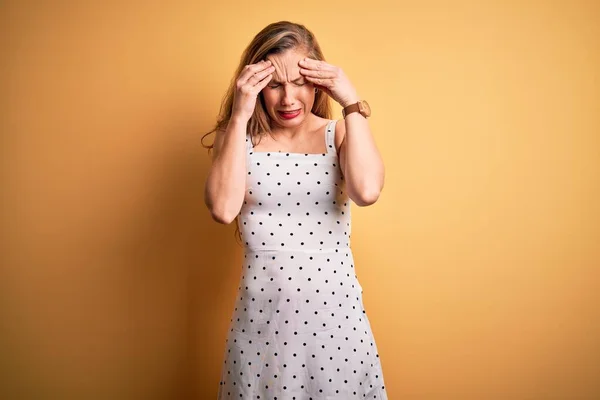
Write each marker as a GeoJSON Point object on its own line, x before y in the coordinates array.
{"type": "Point", "coordinates": [349, 101]}
{"type": "Point", "coordinates": [239, 119]}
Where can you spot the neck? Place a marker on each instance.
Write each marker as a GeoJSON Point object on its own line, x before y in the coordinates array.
{"type": "Point", "coordinates": [292, 133]}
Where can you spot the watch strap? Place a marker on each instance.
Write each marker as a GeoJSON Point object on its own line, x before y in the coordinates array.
{"type": "Point", "coordinates": [350, 109]}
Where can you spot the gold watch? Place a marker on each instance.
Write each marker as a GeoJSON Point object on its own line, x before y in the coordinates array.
{"type": "Point", "coordinates": [361, 106]}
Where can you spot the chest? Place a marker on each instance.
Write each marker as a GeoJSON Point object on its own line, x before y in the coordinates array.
{"type": "Point", "coordinates": [293, 179]}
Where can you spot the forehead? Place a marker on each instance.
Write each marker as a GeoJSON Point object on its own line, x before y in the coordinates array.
{"type": "Point", "coordinates": [286, 63]}
{"type": "Point", "coordinates": [288, 56]}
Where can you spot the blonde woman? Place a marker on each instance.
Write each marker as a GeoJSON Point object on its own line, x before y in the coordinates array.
{"type": "Point", "coordinates": [287, 172]}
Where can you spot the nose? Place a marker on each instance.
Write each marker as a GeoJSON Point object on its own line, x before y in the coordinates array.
{"type": "Point", "coordinates": [289, 95]}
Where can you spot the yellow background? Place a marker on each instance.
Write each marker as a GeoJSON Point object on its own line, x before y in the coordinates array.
{"type": "Point", "coordinates": [479, 263]}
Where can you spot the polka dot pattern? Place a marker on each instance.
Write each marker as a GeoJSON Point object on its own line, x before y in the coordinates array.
{"type": "Point", "coordinates": [299, 329]}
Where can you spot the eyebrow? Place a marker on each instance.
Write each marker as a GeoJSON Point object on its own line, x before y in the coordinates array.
{"type": "Point", "coordinates": [294, 81]}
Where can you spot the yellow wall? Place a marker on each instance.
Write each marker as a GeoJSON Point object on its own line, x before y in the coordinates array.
{"type": "Point", "coordinates": [479, 263]}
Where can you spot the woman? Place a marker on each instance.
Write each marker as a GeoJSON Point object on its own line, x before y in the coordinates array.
{"type": "Point", "coordinates": [287, 173]}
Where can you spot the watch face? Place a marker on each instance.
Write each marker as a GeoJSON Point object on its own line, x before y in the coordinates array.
{"type": "Point", "coordinates": [364, 108]}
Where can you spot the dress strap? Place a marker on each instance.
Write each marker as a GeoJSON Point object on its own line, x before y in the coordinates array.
{"type": "Point", "coordinates": [248, 143]}
{"type": "Point", "coordinates": [249, 150]}
{"type": "Point", "coordinates": [330, 137]}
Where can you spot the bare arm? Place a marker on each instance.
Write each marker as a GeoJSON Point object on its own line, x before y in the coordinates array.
{"type": "Point", "coordinates": [225, 185]}
{"type": "Point", "coordinates": [226, 182]}
{"type": "Point", "coordinates": [360, 160]}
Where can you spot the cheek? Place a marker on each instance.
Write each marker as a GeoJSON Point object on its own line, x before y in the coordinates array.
{"type": "Point", "coordinates": [270, 96]}
{"type": "Point", "coordinates": [308, 92]}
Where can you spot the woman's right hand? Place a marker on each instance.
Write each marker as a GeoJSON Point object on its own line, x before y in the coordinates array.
{"type": "Point", "coordinates": [252, 80]}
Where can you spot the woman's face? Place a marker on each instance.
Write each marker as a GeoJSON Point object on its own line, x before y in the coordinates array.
{"type": "Point", "coordinates": [288, 91]}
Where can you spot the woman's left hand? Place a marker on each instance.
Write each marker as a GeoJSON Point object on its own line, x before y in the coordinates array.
{"type": "Point", "coordinates": [330, 79]}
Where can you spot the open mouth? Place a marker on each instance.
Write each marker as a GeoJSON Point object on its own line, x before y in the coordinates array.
{"type": "Point", "coordinates": [289, 114]}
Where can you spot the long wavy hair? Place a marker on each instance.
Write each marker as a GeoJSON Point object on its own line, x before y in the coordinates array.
{"type": "Point", "coordinates": [275, 38]}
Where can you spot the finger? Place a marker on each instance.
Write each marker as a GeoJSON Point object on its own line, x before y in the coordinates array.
{"type": "Point", "coordinates": [251, 69]}
{"type": "Point", "coordinates": [259, 76]}
{"type": "Point", "coordinates": [318, 73]}
{"type": "Point", "coordinates": [327, 83]}
{"type": "Point", "coordinates": [309, 63]}
{"type": "Point", "coordinates": [261, 85]}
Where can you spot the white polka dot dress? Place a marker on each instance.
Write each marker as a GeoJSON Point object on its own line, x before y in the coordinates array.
{"type": "Point", "coordinates": [299, 329]}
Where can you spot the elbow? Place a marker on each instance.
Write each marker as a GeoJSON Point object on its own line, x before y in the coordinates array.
{"type": "Point", "coordinates": [219, 211]}
{"type": "Point", "coordinates": [367, 191]}
{"type": "Point", "coordinates": [367, 198]}
{"type": "Point", "coordinates": [222, 216]}
{"type": "Point", "coordinates": [222, 219]}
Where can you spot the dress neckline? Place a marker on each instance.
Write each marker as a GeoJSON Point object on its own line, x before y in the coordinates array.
{"type": "Point", "coordinates": [329, 146]}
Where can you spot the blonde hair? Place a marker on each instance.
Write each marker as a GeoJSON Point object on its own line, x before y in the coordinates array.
{"type": "Point", "coordinates": [275, 38]}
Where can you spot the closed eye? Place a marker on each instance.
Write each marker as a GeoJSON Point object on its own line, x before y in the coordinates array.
{"type": "Point", "coordinates": [297, 83]}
